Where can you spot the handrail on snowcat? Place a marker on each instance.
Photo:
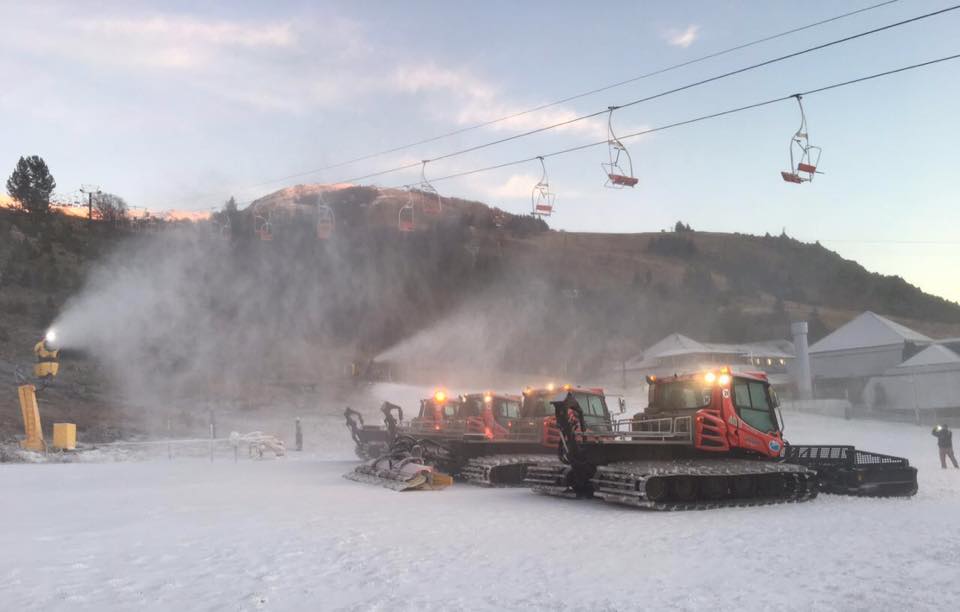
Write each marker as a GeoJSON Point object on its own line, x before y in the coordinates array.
{"type": "Point", "coordinates": [659, 428]}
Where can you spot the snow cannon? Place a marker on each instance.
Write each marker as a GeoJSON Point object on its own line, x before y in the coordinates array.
{"type": "Point", "coordinates": [48, 356]}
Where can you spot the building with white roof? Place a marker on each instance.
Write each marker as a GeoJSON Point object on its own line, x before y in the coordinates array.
{"type": "Point", "coordinates": [842, 362]}
{"type": "Point", "coordinates": [678, 353]}
{"type": "Point", "coordinates": [925, 387]}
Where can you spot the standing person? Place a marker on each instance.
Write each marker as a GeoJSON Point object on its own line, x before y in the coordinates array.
{"type": "Point", "coordinates": [299, 435]}
{"type": "Point", "coordinates": [945, 443]}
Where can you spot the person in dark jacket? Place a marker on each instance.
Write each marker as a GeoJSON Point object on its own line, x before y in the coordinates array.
{"type": "Point", "coordinates": [945, 443]}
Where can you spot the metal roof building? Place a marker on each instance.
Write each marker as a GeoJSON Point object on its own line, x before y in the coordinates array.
{"type": "Point", "coordinates": [885, 367]}
{"type": "Point", "coordinates": [927, 386]}
{"type": "Point", "coordinates": [867, 346]}
{"type": "Point", "coordinates": [679, 353]}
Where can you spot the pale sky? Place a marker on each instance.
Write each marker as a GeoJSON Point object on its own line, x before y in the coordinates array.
{"type": "Point", "coordinates": [182, 104]}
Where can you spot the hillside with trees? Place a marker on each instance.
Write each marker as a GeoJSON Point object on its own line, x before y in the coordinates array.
{"type": "Point", "coordinates": [297, 307]}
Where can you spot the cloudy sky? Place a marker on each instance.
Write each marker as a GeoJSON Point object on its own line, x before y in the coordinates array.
{"type": "Point", "coordinates": [182, 104]}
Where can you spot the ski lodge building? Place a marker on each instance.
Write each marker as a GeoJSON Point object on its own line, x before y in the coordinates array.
{"type": "Point", "coordinates": [678, 353]}
{"type": "Point", "coordinates": [883, 366]}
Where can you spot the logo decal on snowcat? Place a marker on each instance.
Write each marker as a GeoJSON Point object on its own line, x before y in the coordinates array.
{"type": "Point", "coordinates": [774, 446]}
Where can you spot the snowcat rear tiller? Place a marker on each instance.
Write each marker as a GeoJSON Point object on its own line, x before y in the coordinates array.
{"type": "Point", "coordinates": [844, 470]}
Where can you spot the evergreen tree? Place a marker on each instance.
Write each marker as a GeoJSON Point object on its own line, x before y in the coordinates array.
{"type": "Point", "coordinates": [31, 184]}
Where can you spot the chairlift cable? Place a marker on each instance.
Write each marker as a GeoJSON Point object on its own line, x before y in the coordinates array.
{"type": "Point", "coordinates": [684, 122]}
{"type": "Point", "coordinates": [715, 115]}
{"type": "Point", "coordinates": [592, 91]}
{"type": "Point", "coordinates": [573, 97]}
{"type": "Point", "coordinates": [658, 95]}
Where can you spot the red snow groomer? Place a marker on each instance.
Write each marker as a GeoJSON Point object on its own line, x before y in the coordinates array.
{"type": "Point", "coordinates": [485, 438]}
{"type": "Point", "coordinates": [504, 417]}
{"type": "Point", "coordinates": [708, 439]}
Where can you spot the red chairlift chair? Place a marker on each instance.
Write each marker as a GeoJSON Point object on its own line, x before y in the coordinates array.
{"type": "Point", "coordinates": [262, 227]}
{"type": "Point", "coordinates": [325, 222]}
{"type": "Point", "coordinates": [405, 218]}
{"type": "Point", "coordinates": [804, 157]}
{"type": "Point", "coordinates": [541, 198]}
{"type": "Point", "coordinates": [618, 177]}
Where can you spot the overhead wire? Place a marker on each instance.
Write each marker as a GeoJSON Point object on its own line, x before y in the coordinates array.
{"type": "Point", "coordinates": [690, 121]}
{"type": "Point", "coordinates": [664, 70]}
{"type": "Point", "coordinates": [699, 118]}
{"type": "Point", "coordinates": [653, 96]}
{"type": "Point", "coordinates": [573, 97]}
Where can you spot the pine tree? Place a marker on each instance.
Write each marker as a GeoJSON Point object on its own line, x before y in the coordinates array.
{"type": "Point", "coordinates": [31, 184]}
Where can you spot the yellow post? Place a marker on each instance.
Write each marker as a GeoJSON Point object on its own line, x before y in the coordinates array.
{"type": "Point", "coordinates": [65, 436]}
{"type": "Point", "coordinates": [31, 419]}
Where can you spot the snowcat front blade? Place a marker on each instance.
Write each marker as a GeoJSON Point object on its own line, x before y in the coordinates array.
{"type": "Point", "coordinates": [400, 475]}
{"type": "Point", "coordinates": [414, 483]}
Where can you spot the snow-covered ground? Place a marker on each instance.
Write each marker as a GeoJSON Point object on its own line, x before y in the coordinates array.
{"type": "Point", "coordinates": [291, 534]}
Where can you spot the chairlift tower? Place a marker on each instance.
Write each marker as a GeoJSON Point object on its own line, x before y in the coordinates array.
{"type": "Point", "coordinates": [90, 190]}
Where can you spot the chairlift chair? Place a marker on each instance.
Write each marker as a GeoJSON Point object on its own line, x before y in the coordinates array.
{"type": "Point", "coordinates": [618, 177]}
{"type": "Point", "coordinates": [406, 221]}
{"type": "Point", "coordinates": [262, 227]}
{"type": "Point", "coordinates": [541, 198]}
{"type": "Point", "coordinates": [326, 222]}
{"type": "Point", "coordinates": [432, 204]}
{"type": "Point", "coordinates": [804, 157]}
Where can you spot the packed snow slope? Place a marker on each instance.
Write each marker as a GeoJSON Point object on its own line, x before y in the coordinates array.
{"type": "Point", "coordinates": [291, 534]}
